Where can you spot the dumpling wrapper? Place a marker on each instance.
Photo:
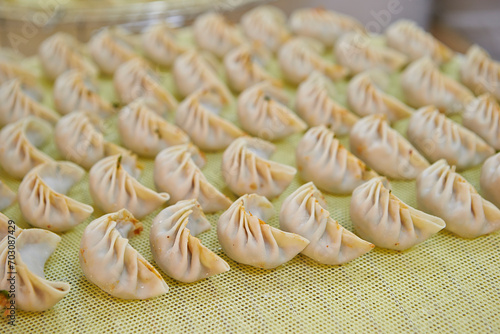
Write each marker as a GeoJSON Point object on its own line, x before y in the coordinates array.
{"type": "Point", "coordinates": [113, 186]}
{"type": "Point", "coordinates": [323, 160]}
{"type": "Point", "coordinates": [246, 168]}
{"type": "Point", "coordinates": [480, 73]}
{"type": "Point", "coordinates": [316, 106]}
{"type": "Point", "coordinates": [446, 194]}
{"type": "Point", "coordinates": [108, 260]}
{"type": "Point", "coordinates": [43, 200]}
{"type": "Point", "coordinates": [438, 137]}
{"type": "Point", "coordinates": [385, 150]}
{"type": "Point", "coordinates": [304, 213]}
{"type": "Point", "coordinates": [175, 247]}
{"type": "Point", "coordinates": [482, 116]}
{"type": "Point", "coordinates": [382, 218]}
{"type": "Point", "coordinates": [262, 112]}
{"type": "Point", "coordinates": [177, 172]}
{"type": "Point", "coordinates": [246, 238]}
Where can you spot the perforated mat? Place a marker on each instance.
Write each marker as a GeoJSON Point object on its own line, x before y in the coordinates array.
{"type": "Point", "coordinates": [444, 285]}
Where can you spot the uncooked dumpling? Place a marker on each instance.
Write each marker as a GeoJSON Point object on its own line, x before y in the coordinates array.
{"type": "Point", "coordinates": [322, 24]}
{"type": "Point", "coordinates": [146, 133]}
{"type": "Point", "coordinates": [438, 137]}
{"type": "Point", "coordinates": [423, 84]}
{"type": "Point", "coordinates": [263, 112]}
{"type": "Point", "coordinates": [482, 116]}
{"type": "Point", "coordinates": [110, 48]}
{"type": "Point", "coordinates": [21, 140]}
{"type": "Point", "coordinates": [198, 116]}
{"type": "Point", "coordinates": [175, 247]}
{"type": "Point", "coordinates": [43, 200]}
{"type": "Point", "coordinates": [113, 186]}
{"type": "Point", "coordinates": [191, 72]}
{"type": "Point", "coordinates": [7, 196]}
{"type": "Point", "coordinates": [366, 96]}
{"type": "Point", "coordinates": [407, 37]}
{"type": "Point", "coordinates": [304, 212]}
{"type": "Point", "coordinates": [266, 24]}
{"type": "Point", "coordinates": [481, 73]}
{"type": "Point", "coordinates": [490, 179]}
{"type": "Point", "coordinates": [385, 150]}
{"type": "Point", "coordinates": [10, 69]}
{"type": "Point", "coordinates": [18, 102]}
{"type": "Point", "coordinates": [135, 79]}
{"type": "Point", "coordinates": [380, 217]}
{"type": "Point", "coordinates": [74, 90]}
{"type": "Point", "coordinates": [160, 44]}
{"type": "Point", "coordinates": [245, 66]}
{"type": "Point", "coordinates": [79, 138]}
{"type": "Point", "coordinates": [108, 260]}
{"type": "Point", "coordinates": [246, 168]}
{"type": "Point", "coordinates": [299, 57]}
{"type": "Point", "coordinates": [61, 52]}
{"type": "Point", "coordinates": [212, 32]}
{"type": "Point", "coordinates": [323, 160]}
{"type": "Point", "coordinates": [316, 106]}
{"type": "Point", "coordinates": [247, 239]}
{"type": "Point", "coordinates": [33, 247]}
{"type": "Point", "coordinates": [357, 52]}
{"type": "Point", "coordinates": [177, 172]}
{"type": "Point", "coordinates": [444, 193]}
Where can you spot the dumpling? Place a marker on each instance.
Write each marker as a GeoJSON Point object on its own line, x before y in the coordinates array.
{"type": "Point", "coordinates": [7, 196]}
{"type": "Point", "coordinates": [263, 112]}
{"type": "Point", "coordinates": [18, 102]}
{"type": "Point", "coordinates": [74, 90]}
{"type": "Point", "coordinates": [357, 52]}
{"type": "Point", "coordinates": [135, 79]}
{"type": "Point", "coordinates": [490, 179]}
{"type": "Point", "coordinates": [246, 238]}
{"type": "Point", "coordinates": [444, 193]}
{"type": "Point", "coordinates": [299, 57]}
{"type": "Point", "coordinates": [423, 85]}
{"type": "Point", "coordinates": [197, 116]}
{"type": "Point", "coordinates": [315, 105]}
{"type": "Point", "coordinates": [438, 137]}
{"type": "Point", "coordinates": [322, 24]}
{"type": "Point", "coordinates": [108, 260]}
{"type": "Point", "coordinates": [175, 247]}
{"type": "Point", "coordinates": [245, 67]}
{"type": "Point", "coordinates": [192, 72]}
{"type": "Point", "coordinates": [113, 186]}
{"type": "Point", "coordinates": [385, 150]}
{"type": "Point", "coordinates": [366, 96]}
{"type": "Point", "coordinates": [144, 132]}
{"type": "Point", "coordinates": [20, 140]}
{"type": "Point", "coordinates": [380, 217]}
{"type": "Point", "coordinates": [8, 227]}
{"type": "Point", "coordinates": [10, 69]}
{"type": "Point", "coordinates": [482, 116]}
{"type": "Point", "coordinates": [43, 201]}
{"type": "Point", "coordinates": [480, 73]}
{"type": "Point", "coordinates": [32, 247]}
{"type": "Point", "coordinates": [323, 160]}
{"type": "Point", "coordinates": [61, 52]}
{"type": "Point", "coordinates": [212, 32]}
{"type": "Point", "coordinates": [110, 48]}
{"type": "Point", "coordinates": [160, 44]}
{"type": "Point", "coordinates": [177, 172]}
{"type": "Point", "coordinates": [246, 168]}
{"type": "Point", "coordinates": [304, 213]}
{"type": "Point", "coordinates": [267, 25]}
{"type": "Point", "coordinates": [79, 138]}
{"type": "Point", "coordinates": [407, 37]}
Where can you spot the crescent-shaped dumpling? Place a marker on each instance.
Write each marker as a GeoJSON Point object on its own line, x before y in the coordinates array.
{"type": "Point", "coordinates": [304, 213]}
{"type": "Point", "coordinates": [160, 44]}
{"type": "Point", "coordinates": [175, 247]}
{"type": "Point", "coordinates": [246, 238]}
{"type": "Point", "coordinates": [108, 260]}
{"type": "Point", "coordinates": [482, 116]}
{"type": "Point", "coordinates": [480, 73]}
{"type": "Point", "coordinates": [490, 179]}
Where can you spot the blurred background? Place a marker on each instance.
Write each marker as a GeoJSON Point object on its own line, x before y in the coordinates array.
{"type": "Point", "coordinates": [458, 23]}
